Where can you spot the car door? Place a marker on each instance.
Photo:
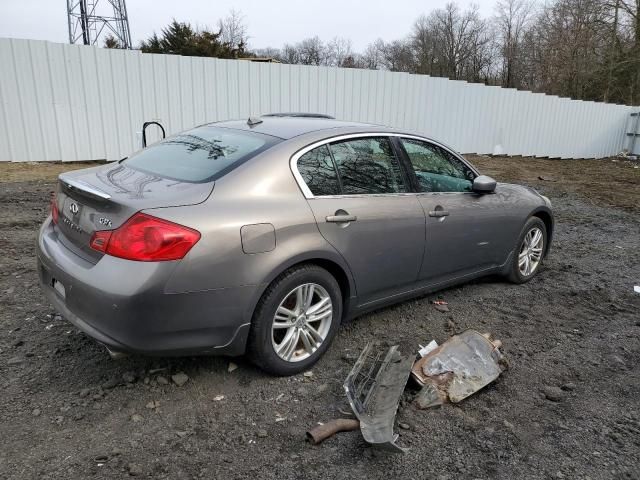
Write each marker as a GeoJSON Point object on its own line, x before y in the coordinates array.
{"type": "Point", "coordinates": [463, 228]}
{"type": "Point", "coordinates": [360, 197]}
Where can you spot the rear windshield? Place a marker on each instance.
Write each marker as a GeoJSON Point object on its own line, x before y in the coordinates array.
{"type": "Point", "coordinates": [200, 155]}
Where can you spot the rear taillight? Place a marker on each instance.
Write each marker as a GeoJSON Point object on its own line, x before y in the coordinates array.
{"type": "Point", "coordinates": [146, 239]}
{"type": "Point", "coordinates": [54, 209]}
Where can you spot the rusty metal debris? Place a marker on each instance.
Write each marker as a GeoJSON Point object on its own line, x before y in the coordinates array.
{"type": "Point", "coordinates": [458, 368]}
{"type": "Point", "coordinates": [321, 432]}
{"type": "Point", "coordinates": [374, 387]}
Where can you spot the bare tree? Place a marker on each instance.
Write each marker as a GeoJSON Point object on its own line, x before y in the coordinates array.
{"type": "Point", "coordinates": [339, 52]}
{"type": "Point", "coordinates": [614, 48]}
{"type": "Point", "coordinates": [397, 56]}
{"type": "Point", "coordinates": [233, 29]}
{"type": "Point", "coordinates": [480, 66]}
{"type": "Point", "coordinates": [632, 10]}
{"type": "Point", "coordinates": [312, 51]}
{"type": "Point", "coordinates": [372, 58]}
{"type": "Point", "coordinates": [513, 17]}
{"type": "Point", "coordinates": [458, 36]}
{"type": "Point", "coordinates": [423, 42]}
{"type": "Point", "coordinates": [289, 54]}
{"type": "Point", "coordinates": [572, 44]}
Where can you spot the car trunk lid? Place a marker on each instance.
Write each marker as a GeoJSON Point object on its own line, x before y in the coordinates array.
{"type": "Point", "coordinates": [104, 197]}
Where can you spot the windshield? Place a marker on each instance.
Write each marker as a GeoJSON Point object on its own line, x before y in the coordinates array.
{"type": "Point", "coordinates": [199, 155]}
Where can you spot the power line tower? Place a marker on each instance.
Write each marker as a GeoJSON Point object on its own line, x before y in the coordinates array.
{"type": "Point", "coordinates": [89, 19]}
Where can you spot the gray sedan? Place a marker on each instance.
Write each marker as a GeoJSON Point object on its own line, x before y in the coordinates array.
{"type": "Point", "coordinates": [262, 236]}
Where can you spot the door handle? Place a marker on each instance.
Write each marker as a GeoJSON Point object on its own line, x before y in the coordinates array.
{"type": "Point", "coordinates": [341, 218]}
{"type": "Point", "coordinates": [438, 213]}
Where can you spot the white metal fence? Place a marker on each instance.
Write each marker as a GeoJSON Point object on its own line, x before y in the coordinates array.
{"type": "Point", "coordinates": [69, 102]}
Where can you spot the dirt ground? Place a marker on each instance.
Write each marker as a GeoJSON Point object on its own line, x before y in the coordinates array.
{"type": "Point", "coordinates": [567, 408]}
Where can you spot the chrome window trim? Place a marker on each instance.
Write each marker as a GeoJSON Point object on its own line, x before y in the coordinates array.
{"type": "Point", "coordinates": [293, 163]}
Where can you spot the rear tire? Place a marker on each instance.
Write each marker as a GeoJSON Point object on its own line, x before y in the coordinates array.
{"type": "Point", "coordinates": [295, 320]}
{"type": "Point", "coordinates": [529, 251]}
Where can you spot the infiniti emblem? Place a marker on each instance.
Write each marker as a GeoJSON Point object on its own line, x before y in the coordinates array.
{"type": "Point", "coordinates": [73, 207]}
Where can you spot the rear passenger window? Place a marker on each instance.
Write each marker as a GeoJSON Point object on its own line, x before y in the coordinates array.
{"type": "Point", "coordinates": [368, 166]}
{"type": "Point", "coordinates": [318, 172]}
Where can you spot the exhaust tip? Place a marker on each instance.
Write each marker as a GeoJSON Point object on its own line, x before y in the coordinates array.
{"type": "Point", "coordinates": [116, 355]}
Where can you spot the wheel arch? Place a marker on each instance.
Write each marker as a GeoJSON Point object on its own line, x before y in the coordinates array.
{"type": "Point", "coordinates": [332, 263]}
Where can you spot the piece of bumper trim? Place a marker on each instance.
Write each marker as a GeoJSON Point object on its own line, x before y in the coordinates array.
{"type": "Point", "coordinates": [374, 388]}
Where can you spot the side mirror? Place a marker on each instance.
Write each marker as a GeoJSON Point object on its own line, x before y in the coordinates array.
{"type": "Point", "coordinates": [484, 184]}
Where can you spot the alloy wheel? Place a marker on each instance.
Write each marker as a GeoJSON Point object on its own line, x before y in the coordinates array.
{"type": "Point", "coordinates": [531, 252]}
{"type": "Point", "coordinates": [302, 322]}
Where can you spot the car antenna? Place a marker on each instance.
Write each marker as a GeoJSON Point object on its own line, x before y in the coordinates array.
{"type": "Point", "coordinates": [251, 121]}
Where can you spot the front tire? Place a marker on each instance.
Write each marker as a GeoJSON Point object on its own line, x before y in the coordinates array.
{"type": "Point", "coordinates": [295, 320]}
{"type": "Point", "coordinates": [529, 251]}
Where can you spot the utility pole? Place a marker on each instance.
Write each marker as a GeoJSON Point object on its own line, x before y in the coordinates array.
{"type": "Point", "coordinates": [90, 19]}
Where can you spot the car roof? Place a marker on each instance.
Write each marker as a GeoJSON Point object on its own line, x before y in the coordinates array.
{"type": "Point", "coordinates": [288, 127]}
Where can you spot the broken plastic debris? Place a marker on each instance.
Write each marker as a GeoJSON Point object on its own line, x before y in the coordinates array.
{"type": "Point", "coordinates": [374, 387]}
{"type": "Point", "coordinates": [440, 305]}
{"type": "Point", "coordinates": [461, 366]}
{"type": "Point", "coordinates": [429, 397]}
{"type": "Point", "coordinates": [636, 288]}
{"type": "Point", "coordinates": [432, 345]}
{"type": "Point", "coordinates": [217, 398]}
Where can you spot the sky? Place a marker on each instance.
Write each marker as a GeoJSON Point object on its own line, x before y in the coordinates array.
{"type": "Point", "coordinates": [271, 23]}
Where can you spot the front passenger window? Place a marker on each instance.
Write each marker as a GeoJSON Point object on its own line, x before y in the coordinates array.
{"type": "Point", "coordinates": [436, 169]}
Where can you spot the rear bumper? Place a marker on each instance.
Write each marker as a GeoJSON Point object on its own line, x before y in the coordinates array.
{"type": "Point", "coordinates": [123, 304]}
